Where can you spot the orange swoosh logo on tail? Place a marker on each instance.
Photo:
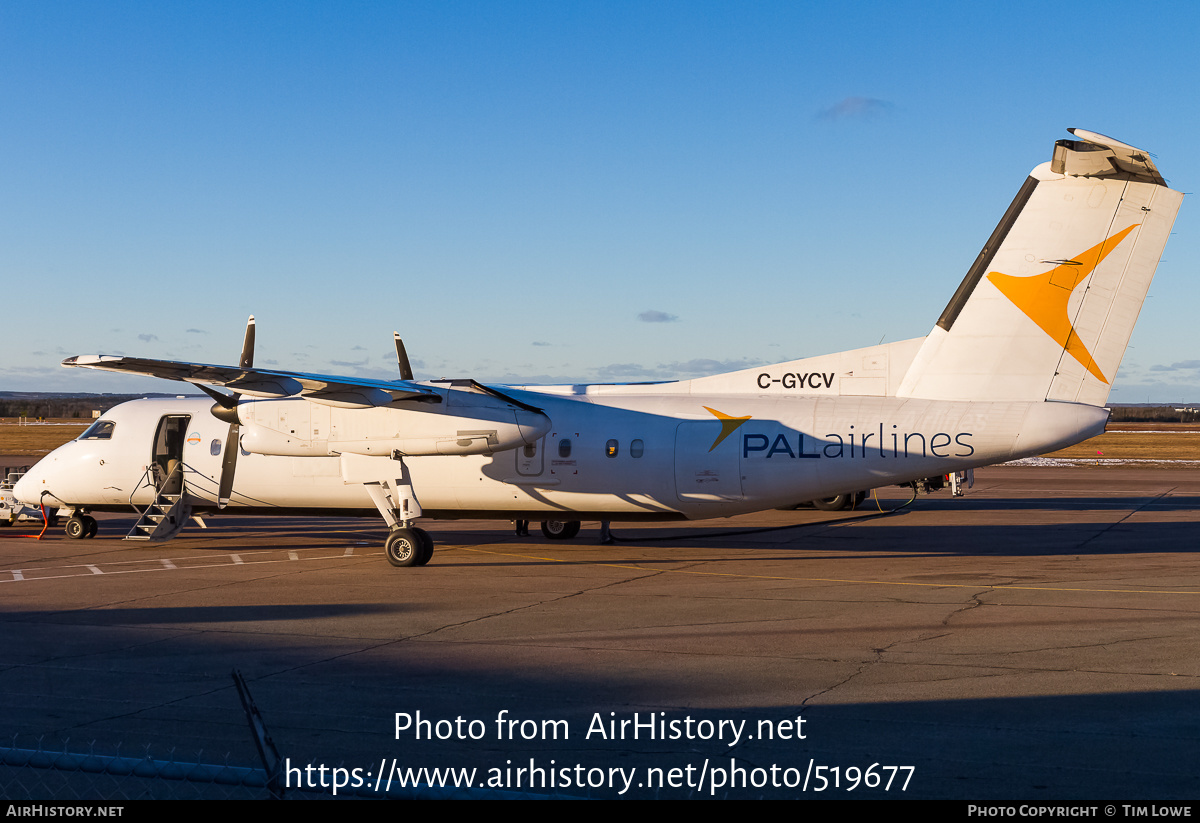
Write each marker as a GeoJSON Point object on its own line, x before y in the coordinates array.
{"type": "Point", "coordinates": [1043, 298]}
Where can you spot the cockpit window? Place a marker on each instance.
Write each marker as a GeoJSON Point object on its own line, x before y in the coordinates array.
{"type": "Point", "coordinates": [100, 430]}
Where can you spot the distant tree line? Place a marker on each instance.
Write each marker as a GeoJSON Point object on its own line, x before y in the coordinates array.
{"type": "Point", "coordinates": [1156, 414]}
{"type": "Point", "coordinates": [80, 407]}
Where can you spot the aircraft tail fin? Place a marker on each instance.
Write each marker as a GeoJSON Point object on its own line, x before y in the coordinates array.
{"type": "Point", "coordinates": [1046, 311]}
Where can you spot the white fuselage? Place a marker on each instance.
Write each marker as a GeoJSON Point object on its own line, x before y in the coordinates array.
{"type": "Point", "coordinates": [611, 452]}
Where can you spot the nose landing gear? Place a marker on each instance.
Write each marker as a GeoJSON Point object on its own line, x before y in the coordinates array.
{"type": "Point", "coordinates": [81, 526]}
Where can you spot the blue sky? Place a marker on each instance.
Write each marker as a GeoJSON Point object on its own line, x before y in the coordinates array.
{"type": "Point", "coordinates": [551, 192]}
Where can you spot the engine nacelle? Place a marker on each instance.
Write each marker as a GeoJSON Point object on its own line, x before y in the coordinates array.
{"type": "Point", "coordinates": [298, 428]}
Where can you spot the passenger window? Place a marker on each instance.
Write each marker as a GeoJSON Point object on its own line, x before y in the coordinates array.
{"type": "Point", "coordinates": [531, 449]}
{"type": "Point", "coordinates": [100, 430]}
{"type": "Point", "coordinates": [215, 448]}
{"type": "Point", "coordinates": [636, 448]}
{"type": "Point", "coordinates": [610, 448]}
{"type": "Point", "coordinates": [564, 448]}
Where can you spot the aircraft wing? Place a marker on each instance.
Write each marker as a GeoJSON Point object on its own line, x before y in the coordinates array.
{"type": "Point", "coordinates": [352, 392]}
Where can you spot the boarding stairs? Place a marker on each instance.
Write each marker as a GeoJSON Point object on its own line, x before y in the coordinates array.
{"type": "Point", "coordinates": [166, 516]}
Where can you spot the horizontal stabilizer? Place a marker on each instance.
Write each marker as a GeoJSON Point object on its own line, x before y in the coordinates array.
{"type": "Point", "coordinates": [1096, 155]}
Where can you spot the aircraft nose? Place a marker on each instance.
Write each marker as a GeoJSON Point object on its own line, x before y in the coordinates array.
{"type": "Point", "coordinates": [26, 490]}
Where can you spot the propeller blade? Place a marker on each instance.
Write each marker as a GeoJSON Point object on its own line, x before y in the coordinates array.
{"type": "Point", "coordinates": [228, 465]}
{"type": "Point", "coordinates": [247, 361]}
{"type": "Point", "coordinates": [228, 412]}
{"type": "Point", "coordinates": [406, 372]}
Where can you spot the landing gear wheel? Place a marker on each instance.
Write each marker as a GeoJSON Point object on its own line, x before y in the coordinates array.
{"type": "Point", "coordinates": [403, 548]}
{"type": "Point", "coordinates": [560, 529]}
{"type": "Point", "coordinates": [92, 526]}
{"type": "Point", "coordinates": [426, 547]}
{"type": "Point", "coordinates": [859, 498]}
{"type": "Point", "coordinates": [76, 527]}
{"type": "Point", "coordinates": [834, 504]}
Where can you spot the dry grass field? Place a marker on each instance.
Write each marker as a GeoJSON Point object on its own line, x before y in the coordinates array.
{"type": "Point", "coordinates": [1142, 441]}
{"type": "Point", "coordinates": [1123, 441]}
{"type": "Point", "coordinates": [37, 439]}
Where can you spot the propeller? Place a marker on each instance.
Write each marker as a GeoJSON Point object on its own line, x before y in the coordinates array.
{"type": "Point", "coordinates": [406, 372]}
{"type": "Point", "coordinates": [226, 405]}
{"type": "Point", "coordinates": [225, 409]}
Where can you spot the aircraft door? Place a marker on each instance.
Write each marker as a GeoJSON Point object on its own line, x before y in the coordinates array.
{"type": "Point", "coordinates": [166, 465]}
{"type": "Point", "coordinates": [531, 459]}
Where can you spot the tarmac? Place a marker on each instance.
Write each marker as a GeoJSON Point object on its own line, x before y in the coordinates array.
{"type": "Point", "coordinates": [1035, 640]}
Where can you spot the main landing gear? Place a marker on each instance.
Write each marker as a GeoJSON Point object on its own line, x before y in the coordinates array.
{"type": "Point", "coordinates": [840, 502]}
{"type": "Point", "coordinates": [81, 526]}
{"type": "Point", "coordinates": [392, 494]}
{"type": "Point", "coordinates": [560, 529]}
{"type": "Point", "coordinates": [408, 547]}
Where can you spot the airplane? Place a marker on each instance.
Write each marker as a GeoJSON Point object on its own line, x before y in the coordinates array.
{"type": "Point", "coordinates": [1019, 363]}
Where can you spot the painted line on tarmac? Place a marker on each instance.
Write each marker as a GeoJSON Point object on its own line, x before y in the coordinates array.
{"type": "Point", "coordinates": [161, 565]}
{"type": "Point", "coordinates": [851, 581]}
